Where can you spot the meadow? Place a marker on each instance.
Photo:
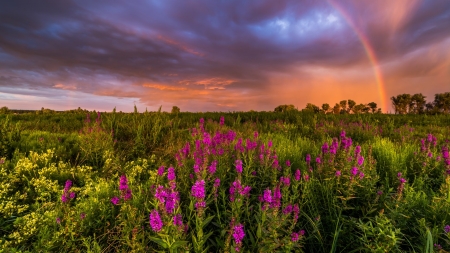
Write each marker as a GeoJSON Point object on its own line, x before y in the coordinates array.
{"type": "Point", "coordinates": [224, 182]}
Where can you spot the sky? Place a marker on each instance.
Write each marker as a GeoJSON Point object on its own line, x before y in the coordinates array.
{"type": "Point", "coordinates": [220, 55]}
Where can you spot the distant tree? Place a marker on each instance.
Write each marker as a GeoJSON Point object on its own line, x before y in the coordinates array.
{"type": "Point", "coordinates": [45, 111]}
{"type": "Point", "coordinates": [442, 102]}
{"type": "Point", "coordinates": [357, 109]}
{"type": "Point", "coordinates": [372, 106]}
{"type": "Point", "coordinates": [401, 103]}
{"type": "Point", "coordinates": [417, 104]}
{"type": "Point", "coordinates": [429, 108]}
{"type": "Point", "coordinates": [366, 109]}
{"type": "Point", "coordinates": [135, 109]}
{"type": "Point", "coordinates": [285, 108]}
{"type": "Point", "coordinates": [337, 108]}
{"type": "Point", "coordinates": [351, 104]}
{"type": "Point", "coordinates": [326, 108]}
{"type": "Point", "coordinates": [175, 110]}
{"type": "Point", "coordinates": [4, 110]}
{"type": "Point", "coordinates": [312, 108]}
{"type": "Point", "coordinates": [343, 105]}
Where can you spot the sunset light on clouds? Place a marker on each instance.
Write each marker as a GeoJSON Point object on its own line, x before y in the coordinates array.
{"type": "Point", "coordinates": [220, 55]}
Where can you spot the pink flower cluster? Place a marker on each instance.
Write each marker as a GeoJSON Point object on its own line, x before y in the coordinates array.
{"type": "Point", "coordinates": [401, 186]}
{"type": "Point", "coordinates": [237, 190]}
{"type": "Point", "coordinates": [269, 200]}
{"type": "Point", "coordinates": [67, 195]}
{"type": "Point", "coordinates": [296, 235]}
{"type": "Point", "coordinates": [169, 198]}
{"type": "Point", "coordinates": [125, 191]}
{"type": "Point", "coordinates": [198, 192]}
{"type": "Point", "coordinates": [238, 235]}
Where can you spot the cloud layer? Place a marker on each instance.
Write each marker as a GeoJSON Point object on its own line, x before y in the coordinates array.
{"type": "Point", "coordinates": [219, 56]}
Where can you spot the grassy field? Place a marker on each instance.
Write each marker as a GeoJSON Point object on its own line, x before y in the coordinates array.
{"type": "Point", "coordinates": [224, 182]}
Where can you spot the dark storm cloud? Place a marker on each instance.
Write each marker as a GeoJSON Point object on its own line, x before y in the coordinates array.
{"type": "Point", "coordinates": [154, 49]}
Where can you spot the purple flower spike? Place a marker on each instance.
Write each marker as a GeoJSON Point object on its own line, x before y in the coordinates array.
{"type": "Point", "coordinates": [318, 161]}
{"type": "Point", "coordinates": [213, 167]}
{"type": "Point", "coordinates": [296, 211]}
{"type": "Point", "coordinates": [338, 173]}
{"type": "Point", "coordinates": [178, 220]}
{"type": "Point", "coordinates": [325, 148]}
{"type": "Point", "coordinates": [268, 196]}
{"type": "Point", "coordinates": [360, 160]}
{"type": "Point", "coordinates": [115, 200]}
{"type": "Point", "coordinates": [447, 229]}
{"type": "Point", "coordinates": [127, 194]}
{"type": "Point", "coordinates": [68, 185]}
{"type": "Point", "coordinates": [216, 183]}
{"type": "Point", "coordinates": [288, 163]}
{"type": "Point", "coordinates": [308, 158]}
{"type": "Point", "coordinates": [357, 150]}
{"type": "Point", "coordinates": [239, 166]}
{"type": "Point", "coordinates": [238, 233]}
{"type": "Point", "coordinates": [161, 171]}
{"type": "Point", "coordinates": [123, 184]}
{"type": "Point", "coordinates": [58, 220]}
{"type": "Point", "coordinates": [198, 189]}
{"type": "Point", "coordinates": [171, 174]}
{"type": "Point", "coordinates": [294, 236]}
{"type": "Point", "coordinates": [155, 221]}
{"type": "Point", "coordinates": [297, 175]}
{"type": "Point", "coordinates": [354, 171]}
{"type": "Point", "coordinates": [288, 209]}
{"type": "Point", "coordinates": [286, 181]}
{"type": "Point", "coordinates": [200, 204]}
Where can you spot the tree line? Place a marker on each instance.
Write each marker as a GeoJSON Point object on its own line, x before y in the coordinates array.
{"type": "Point", "coordinates": [416, 104]}
{"type": "Point", "coordinates": [343, 107]}
{"type": "Point", "coordinates": [402, 104]}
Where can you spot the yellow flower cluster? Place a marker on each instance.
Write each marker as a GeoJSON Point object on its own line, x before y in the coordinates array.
{"type": "Point", "coordinates": [26, 227]}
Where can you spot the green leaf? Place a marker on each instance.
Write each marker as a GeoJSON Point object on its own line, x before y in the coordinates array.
{"type": "Point", "coordinates": [207, 220]}
{"type": "Point", "coordinates": [178, 244]}
{"type": "Point", "coordinates": [208, 235]}
{"type": "Point", "coordinates": [252, 238]}
{"type": "Point", "coordinates": [258, 231]}
{"type": "Point", "coordinates": [159, 241]}
{"type": "Point", "coordinates": [194, 240]}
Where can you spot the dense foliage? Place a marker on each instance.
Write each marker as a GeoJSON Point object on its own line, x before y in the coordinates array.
{"type": "Point", "coordinates": [224, 182]}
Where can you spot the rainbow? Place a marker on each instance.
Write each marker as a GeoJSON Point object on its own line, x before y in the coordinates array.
{"type": "Point", "coordinates": [369, 51]}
